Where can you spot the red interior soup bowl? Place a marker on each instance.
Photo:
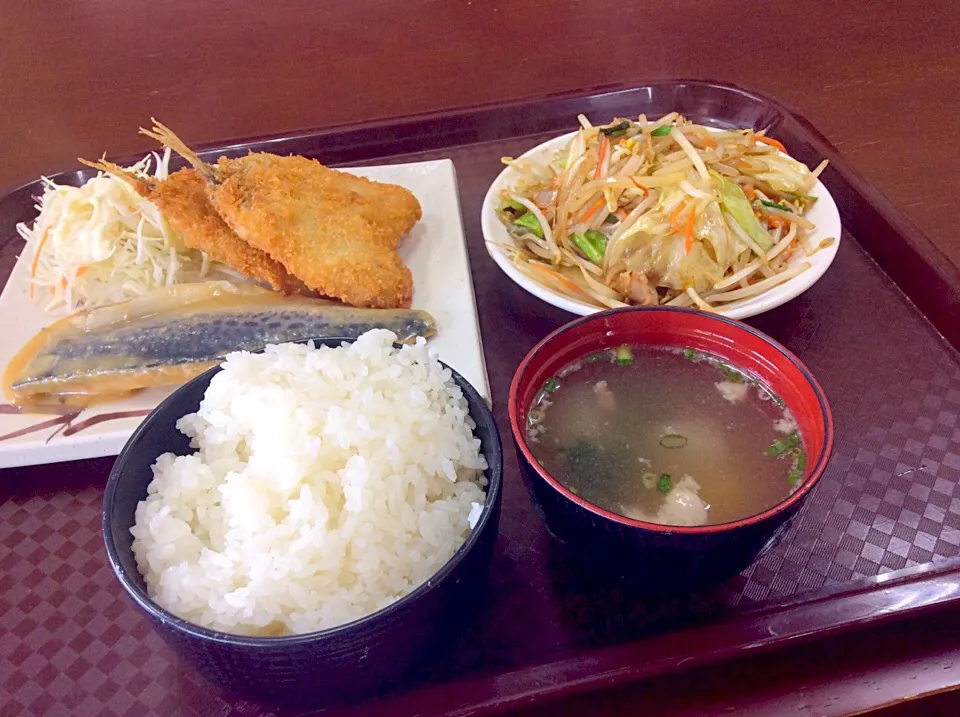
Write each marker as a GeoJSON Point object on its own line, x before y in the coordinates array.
{"type": "Point", "coordinates": [652, 554]}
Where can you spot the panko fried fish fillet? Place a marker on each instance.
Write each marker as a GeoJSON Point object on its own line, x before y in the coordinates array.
{"type": "Point", "coordinates": [324, 235]}
{"type": "Point", "coordinates": [182, 199]}
{"type": "Point", "coordinates": [392, 210]}
{"type": "Point", "coordinates": [336, 232]}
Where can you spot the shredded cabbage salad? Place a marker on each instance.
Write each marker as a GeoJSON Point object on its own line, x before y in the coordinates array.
{"type": "Point", "coordinates": [102, 242]}
{"type": "Point", "coordinates": [661, 212]}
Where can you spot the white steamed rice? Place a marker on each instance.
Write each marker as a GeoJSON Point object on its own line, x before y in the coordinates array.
{"type": "Point", "coordinates": [327, 484]}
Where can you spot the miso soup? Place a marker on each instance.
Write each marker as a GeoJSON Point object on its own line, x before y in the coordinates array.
{"type": "Point", "coordinates": [668, 436]}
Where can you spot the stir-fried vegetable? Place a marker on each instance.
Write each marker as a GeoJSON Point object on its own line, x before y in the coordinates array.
{"type": "Point", "coordinates": [775, 205]}
{"type": "Point", "coordinates": [616, 130]}
{"type": "Point", "coordinates": [592, 244]}
{"type": "Point", "coordinates": [661, 212]}
{"type": "Point", "coordinates": [102, 242]}
{"type": "Point", "coordinates": [531, 224]}
{"type": "Point", "coordinates": [736, 205]}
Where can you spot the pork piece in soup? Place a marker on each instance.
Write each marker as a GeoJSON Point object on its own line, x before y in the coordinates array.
{"type": "Point", "coordinates": [669, 436]}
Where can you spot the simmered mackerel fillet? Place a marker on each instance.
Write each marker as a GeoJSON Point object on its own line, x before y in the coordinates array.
{"type": "Point", "coordinates": [171, 335]}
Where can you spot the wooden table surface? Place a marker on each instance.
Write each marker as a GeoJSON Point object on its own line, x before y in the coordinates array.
{"type": "Point", "coordinates": [880, 79]}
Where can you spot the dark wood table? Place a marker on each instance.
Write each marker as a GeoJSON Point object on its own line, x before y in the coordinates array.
{"type": "Point", "coordinates": [880, 79]}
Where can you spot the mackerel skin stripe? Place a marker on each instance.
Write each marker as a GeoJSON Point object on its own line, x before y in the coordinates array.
{"type": "Point", "coordinates": [211, 336]}
{"type": "Point", "coordinates": [86, 355]}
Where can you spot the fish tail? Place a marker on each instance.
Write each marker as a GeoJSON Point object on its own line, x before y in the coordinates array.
{"type": "Point", "coordinates": [165, 136]}
{"type": "Point", "coordinates": [142, 186]}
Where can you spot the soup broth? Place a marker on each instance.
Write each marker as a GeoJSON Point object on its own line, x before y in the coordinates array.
{"type": "Point", "coordinates": [668, 436]}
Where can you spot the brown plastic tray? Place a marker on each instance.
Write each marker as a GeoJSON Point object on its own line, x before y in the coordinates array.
{"type": "Point", "coordinates": [877, 541]}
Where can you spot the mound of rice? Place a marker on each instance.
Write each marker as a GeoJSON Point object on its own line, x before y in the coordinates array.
{"type": "Point", "coordinates": [327, 483]}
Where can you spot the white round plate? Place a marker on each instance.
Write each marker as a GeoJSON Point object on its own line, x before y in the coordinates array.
{"type": "Point", "coordinates": [823, 214]}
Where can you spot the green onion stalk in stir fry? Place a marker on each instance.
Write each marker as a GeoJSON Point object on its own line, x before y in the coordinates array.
{"type": "Point", "coordinates": [661, 212]}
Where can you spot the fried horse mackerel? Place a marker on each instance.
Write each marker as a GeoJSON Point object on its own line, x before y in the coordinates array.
{"type": "Point", "coordinates": [336, 232]}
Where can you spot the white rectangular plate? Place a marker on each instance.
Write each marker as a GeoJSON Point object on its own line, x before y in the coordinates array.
{"type": "Point", "coordinates": [435, 251]}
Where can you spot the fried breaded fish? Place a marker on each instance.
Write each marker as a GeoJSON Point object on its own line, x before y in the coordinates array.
{"type": "Point", "coordinates": [182, 199]}
{"type": "Point", "coordinates": [336, 232]}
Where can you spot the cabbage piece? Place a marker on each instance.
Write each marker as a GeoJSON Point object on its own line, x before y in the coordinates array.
{"type": "Point", "coordinates": [736, 204]}
{"type": "Point", "coordinates": [786, 174]}
{"type": "Point", "coordinates": [712, 229]}
{"type": "Point", "coordinates": [665, 262]}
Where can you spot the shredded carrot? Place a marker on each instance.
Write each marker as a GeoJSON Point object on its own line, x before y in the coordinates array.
{"type": "Point", "coordinates": [63, 279]}
{"type": "Point", "coordinates": [592, 209]}
{"type": "Point", "coordinates": [676, 215]}
{"type": "Point", "coordinates": [36, 259]}
{"type": "Point", "coordinates": [775, 222]}
{"type": "Point", "coordinates": [646, 192]}
{"type": "Point", "coordinates": [688, 234]}
{"type": "Point", "coordinates": [562, 279]}
{"type": "Point", "coordinates": [749, 191]}
{"type": "Point", "coordinates": [707, 140]}
{"type": "Point", "coordinates": [773, 143]}
{"type": "Point", "coordinates": [621, 214]}
{"type": "Point", "coordinates": [604, 150]}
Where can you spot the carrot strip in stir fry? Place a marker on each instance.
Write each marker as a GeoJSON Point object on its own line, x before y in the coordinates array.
{"type": "Point", "coordinates": [688, 233]}
{"type": "Point", "coordinates": [773, 143]}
